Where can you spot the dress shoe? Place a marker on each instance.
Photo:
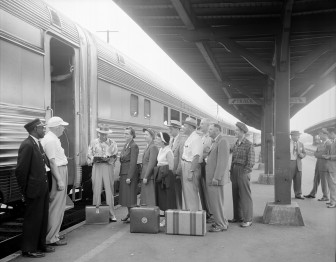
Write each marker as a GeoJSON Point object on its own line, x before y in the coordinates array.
{"type": "Point", "coordinates": [217, 229]}
{"type": "Point", "coordinates": [331, 206]}
{"type": "Point", "coordinates": [59, 243]}
{"type": "Point", "coordinates": [61, 237]}
{"type": "Point", "coordinates": [235, 220]}
{"type": "Point", "coordinates": [300, 197]}
{"type": "Point", "coordinates": [323, 199]}
{"type": "Point", "coordinates": [33, 254]}
{"type": "Point", "coordinates": [125, 218]}
{"type": "Point", "coordinates": [309, 196]}
{"type": "Point", "coordinates": [113, 219]}
{"type": "Point", "coordinates": [47, 249]}
{"type": "Point", "coordinates": [246, 224]}
{"type": "Point", "coordinates": [328, 203]}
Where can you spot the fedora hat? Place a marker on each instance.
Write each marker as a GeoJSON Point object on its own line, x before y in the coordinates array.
{"type": "Point", "coordinates": [295, 133]}
{"type": "Point", "coordinates": [175, 123]}
{"type": "Point", "coordinates": [190, 121]}
{"type": "Point", "coordinates": [104, 129]}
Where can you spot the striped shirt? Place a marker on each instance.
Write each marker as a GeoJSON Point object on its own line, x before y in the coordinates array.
{"type": "Point", "coordinates": [243, 154]}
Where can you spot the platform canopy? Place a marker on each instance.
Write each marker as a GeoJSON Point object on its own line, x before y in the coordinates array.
{"type": "Point", "coordinates": [228, 46]}
{"type": "Point", "coordinates": [315, 129]}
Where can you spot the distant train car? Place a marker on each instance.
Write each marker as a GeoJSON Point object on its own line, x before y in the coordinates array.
{"type": "Point", "coordinates": [37, 44]}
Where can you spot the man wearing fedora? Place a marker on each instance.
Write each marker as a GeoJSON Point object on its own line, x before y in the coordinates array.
{"type": "Point", "coordinates": [191, 168]}
{"type": "Point", "coordinates": [177, 144]}
{"type": "Point", "coordinates": [320, 167]}
{"type": "Point", "coordinates": [243, 159]}
{"type": "Point", "coordinates": [59, 170]}
{"type": "Point", "coordinates": [102, 154]}
{"type": "Point", "coordinates": [31, 174]}
{"type": "Point", "coordinates": [297, 152]}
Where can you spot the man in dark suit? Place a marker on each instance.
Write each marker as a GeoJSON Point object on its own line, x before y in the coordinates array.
{"type": "Point", "coordinates": [32, 178]}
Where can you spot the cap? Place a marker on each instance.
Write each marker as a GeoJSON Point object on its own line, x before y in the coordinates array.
{"type": "Point", "coordinates": [104, 129]}
{"type": "Point", "coordinates": [174, 123]}
{"type": "Point", "coordinates": [56, 121]}
{"type": "Point", "coordinates": [295, 133]}
{"type": "Point", "coordinates": [242, 126]}
{"type": "Point", "coordinates": [32, 124]}
{"type": "Point", "coordinates": [190, 121]}
{"type": "Point", "coordinates": [150, 131]}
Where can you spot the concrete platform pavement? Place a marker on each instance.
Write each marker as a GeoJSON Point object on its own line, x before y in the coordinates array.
{"type": "Point", "coordinates": [311, 243]}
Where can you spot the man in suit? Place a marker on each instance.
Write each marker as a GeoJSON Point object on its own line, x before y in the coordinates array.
{"type": "Point", "coordinates": [59, 170]}
{"type": "Point", "coordinates": [31, 174]}
{"type": "Point", "coordinates": [217, 165]}
{"type": "Point", "coordinates": [297, 152]}
{"type": "Point", "coordinates": [320, 167]}
{"type": "Point", "coordinates": [331, 167]}
{"type": "Point", "coordinates": [177, 144]}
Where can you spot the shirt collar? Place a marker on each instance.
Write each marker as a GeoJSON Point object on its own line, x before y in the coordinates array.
{"type": "Point", "coordinates": [35, 139]}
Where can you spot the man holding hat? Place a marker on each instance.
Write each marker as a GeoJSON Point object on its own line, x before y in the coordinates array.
{"type": "Point", "coordinates": [191, 167]}
{"type": "Point", "coordinates": [297, 152]}
{"type": "Point", "coordinates": [177, 144]}
{"type": "Point", "coordinates": [243, 159]}
{"type": "Point", "coordinates": [58, 165]}
{"type": "Point", "coordinates": [31, 174]}
{"type": "Point", "coordinates": [102, 154]}
{"type": "Point", "coordinates": [320, 167]}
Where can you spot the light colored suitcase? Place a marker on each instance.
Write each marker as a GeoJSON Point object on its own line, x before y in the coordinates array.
{"type": "Point", "coordinates": [184, 222]}
{"type": "Point", "coordinates": [145, 219]}
{"type": "Point", "coordinates": [97, 215]}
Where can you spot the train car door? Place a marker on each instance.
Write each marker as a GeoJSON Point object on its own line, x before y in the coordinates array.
{"type": "Point", "coordinates": [63, 96]}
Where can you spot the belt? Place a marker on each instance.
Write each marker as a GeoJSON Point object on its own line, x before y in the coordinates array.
{"type": "Point", "coordinates": [186, 160]}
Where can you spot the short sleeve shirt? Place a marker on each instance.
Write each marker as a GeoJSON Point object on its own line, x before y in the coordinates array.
{"type": "Point", "coordinates": [193, 146]}
{"type": "Point", "coordinates": [53, 149]}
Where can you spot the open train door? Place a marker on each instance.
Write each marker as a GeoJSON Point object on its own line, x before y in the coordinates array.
{"type": "Point", "coordinates": [62, 82]}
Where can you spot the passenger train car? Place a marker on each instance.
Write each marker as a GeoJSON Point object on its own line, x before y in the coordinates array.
{"type": "Point", "coordinates": [37, 43]}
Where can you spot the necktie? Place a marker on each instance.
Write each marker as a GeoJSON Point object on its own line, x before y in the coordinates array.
{"type": "Point", "coordinates": [172, 142]}
{"type": "Point", "coordinates": [295, 149]}
{"type": "Point", "coordinates": [45, 159]}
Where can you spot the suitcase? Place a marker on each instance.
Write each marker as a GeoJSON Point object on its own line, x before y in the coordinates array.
{"type": "Point", "coordinates": [145, 219]}
{"type": "Point", "coordinates": [184, 222]}
{"type": "Point", "coordinates": [97, 215]}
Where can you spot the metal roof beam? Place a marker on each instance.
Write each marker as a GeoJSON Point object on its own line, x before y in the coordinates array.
{"type": "Point", "coordinates": [254, 61]}
{"type": "Point", "coordinates": [183, 8]}
{"type": "Point", "coordinates": [306, 61]}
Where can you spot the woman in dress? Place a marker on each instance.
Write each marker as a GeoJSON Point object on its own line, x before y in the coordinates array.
{"type": "Point", "coordinates": [128, 172]}
{"type": "Point", "coordinates": [165, 179]}
{"type": "Point", "coordinates": [148, 163]}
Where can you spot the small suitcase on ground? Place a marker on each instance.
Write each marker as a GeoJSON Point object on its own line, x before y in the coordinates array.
{"type": "Point", "coordinates": [145, 219]}
{"type": "Point", "coordinates": [97, 215]}
{"type": "Point", "coordinates": [184, 222]}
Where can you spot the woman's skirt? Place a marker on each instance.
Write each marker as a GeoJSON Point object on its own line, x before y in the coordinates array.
{"type": "Point", "coordinates": [128, 192]}
{"type": "Point", "coordinates": [147, 197]}
{"type": "Point", "coordinates": [165, 193]}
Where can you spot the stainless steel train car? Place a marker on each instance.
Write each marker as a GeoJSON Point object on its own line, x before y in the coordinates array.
{"type": "Point", "coordinates": [37, 43]}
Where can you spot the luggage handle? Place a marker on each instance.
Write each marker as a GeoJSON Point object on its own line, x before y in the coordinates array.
{"type": "Point", "coordinates": [80, 193]}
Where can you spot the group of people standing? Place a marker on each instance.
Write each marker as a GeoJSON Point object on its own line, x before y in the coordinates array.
{"type": "Point", "coordinates": [186, 168]}
{"type": "Point", "coordinates": [325, 169]}
{"type": "Point", "coordinates": [39, 154]}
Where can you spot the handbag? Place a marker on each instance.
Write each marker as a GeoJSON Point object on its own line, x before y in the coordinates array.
{"type": "Point", "coordinates": [97, 215]}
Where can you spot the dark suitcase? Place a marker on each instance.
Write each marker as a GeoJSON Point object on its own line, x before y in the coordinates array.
{"type": "Point", "coordinates": [145, 219]}
{"type": "Point", "coordinates": [97, 215]}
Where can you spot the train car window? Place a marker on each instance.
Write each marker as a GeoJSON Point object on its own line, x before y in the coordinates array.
{"type": "Point", "coordinates": [165, 115]}
{"type": "Point", "coordinates": [147, 108]}
{"type": "Point", "coordinates": [193, 117]}
{"type": "Point", "coordinates": [184, 117]}
{"type": "Point", "coordinates": [198, 122]}
{"type": "Point", "coordinates": [174, 115]}
{"type": "Point", "coordinates": [55, 20]}
{"type": "Point", "coordinates": [134, 105]}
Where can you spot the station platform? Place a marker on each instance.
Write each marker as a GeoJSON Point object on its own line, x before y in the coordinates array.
{"type": "Point", "coordinates": [310, 243]}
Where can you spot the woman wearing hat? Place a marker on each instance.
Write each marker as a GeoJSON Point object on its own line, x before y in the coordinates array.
{"type": "Point", "coordinates": [128, 172]}
{"type": "Point", "coordinates": [102, 154]}
{"type": "Point", "coordinates": [165, 179]}
{"type": "Point", "coordinates": [148, 164]}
